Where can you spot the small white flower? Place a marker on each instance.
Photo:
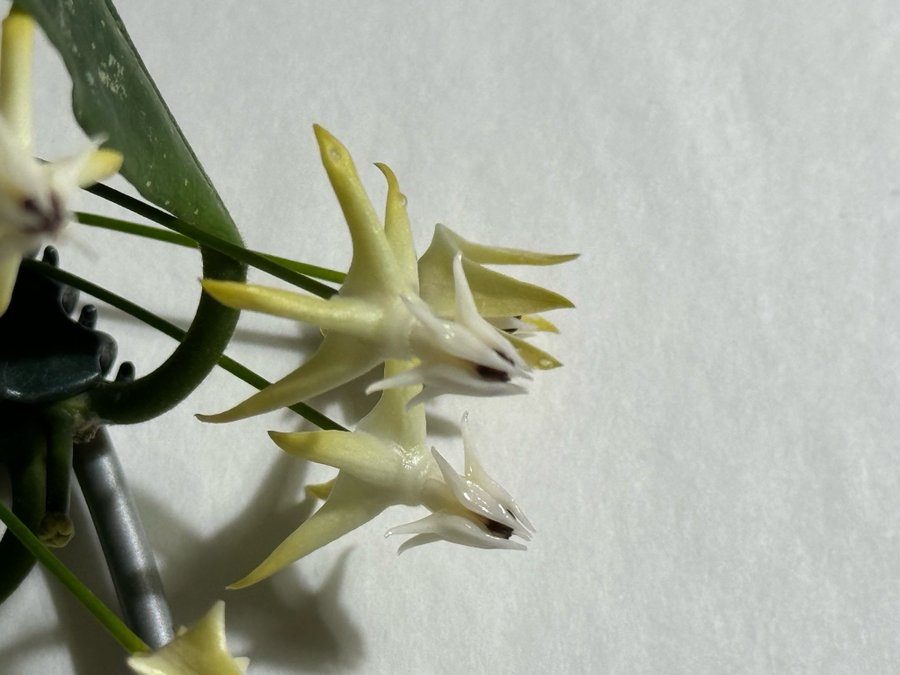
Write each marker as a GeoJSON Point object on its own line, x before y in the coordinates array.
{"type": "Point", "coordinates": [378, 314]}
{"type": "Point", "coordinates": [33, 195]}
{"type": "Point", "coordinates": [484, 515]}
{"type": "Point", "coordinates": [198, 650]}
{"type": "Point", "coordinates": [385, 462]}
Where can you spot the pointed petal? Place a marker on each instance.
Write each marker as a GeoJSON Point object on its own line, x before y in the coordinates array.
{"type": "Point", "coordinates": [370, 459]}
{"type": "Point", "coordinates": [15, 74]}
{"type": "Point", "coordinates": [350, 505]}
{"type": "Point", "coordinates": [397, 230]}
{"type": "Point", "coordinates": [198, 650]}
{"type": "Point", "coordinates": [447, 338]}
{"type": "Point", "coordinates": [455, 529]}
{"type": "Point", "coordinates": [467, 315]}
{"type": "Point", "coordinates": [373, 269]}
{"type": "Point", "coordinates": [416, 541]}
{"type": "Point", "coordinates": [349, 316]}
{"type": "Point", "coordinates": [495, 294]}
{"type": "Point", "coordinates": [404, 380]}
{"type": "Point", "coordinates": [338, 360]}
{"type": "Point", "coordinates": [392, 418]}
{"type": "Point", "coordinates": [9, 270]}
{"type": "Point", "coordinates": [475, 497]}
{"type": "Point", "coordinates": [494, 255]}
{"type": "Point", "coordinates": [442, 378]}
{"type": "Point", "coordinates": [537, 323]}
{"type": "Point", "coordinates": [100, 165]}
{"type": "Point", "coordinates": [320, 490]}
{"type": "Point", "coordinates": [476, 473]}
{"type": "Point", "coordinates": [533, 356]}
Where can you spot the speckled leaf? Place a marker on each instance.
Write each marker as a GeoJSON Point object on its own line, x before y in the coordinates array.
{"type": "Point", "coordinates": [114, 96]}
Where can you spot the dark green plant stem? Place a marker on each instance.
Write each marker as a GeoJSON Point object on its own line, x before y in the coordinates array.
{"type": "Point", "coordinates": [60, 426]}
{"type": "Point", "coordinates": [173, 331]}
{"type": "Point", "coordinates": [116, 627]}
{"type": "Point", "coordinates": [146, 231]}
{"type": "Point", "coordinates": [204, 238]}
{"type": "Point", "coordinates": [155, 393]}
{"type": "Point", "coordinates": [27, 477]}
{"type": "Point", "coordinates": [149, 232]}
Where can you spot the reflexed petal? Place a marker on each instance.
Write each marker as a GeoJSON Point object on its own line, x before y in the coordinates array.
{"type": "Point", "coordinates": [338, 360]}
{"type": "Point", "coordinates": [533, 356]}
{"type": "Point", "coordinates": [373, 268]}
{"type": "Point", "coordinates": [15, 74]}
{"type": "Point", "coordinates": [394, 418]}
{"type": "Point", "coordinates": [346, 315]}
{"type": "Point", "coordinates": [370, 459]}
{"type": "Point", "coordinates": [320, 490]}
{"type": "Point", "coordinates": [534, 322]}
{"type": "Point", "coordinates": [198, 650]}
{"type": "Point", "coordinates": [455, 529]}
{"type": "Point", "coordinates": [496, 294]}
{"type": "Point", "coordinates": [397, 230]}
{"type": "Point", "coordinates": [351, 504]}
{"type": "Point", "coordinates": [496, 255]}
{"type": "Point", "coordinates": [101, 164]}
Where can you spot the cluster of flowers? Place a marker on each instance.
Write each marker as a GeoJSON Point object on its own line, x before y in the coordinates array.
{"type": "Point", "coordinates": [439, 324]}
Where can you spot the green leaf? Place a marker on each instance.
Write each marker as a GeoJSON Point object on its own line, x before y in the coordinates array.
{"type": "Point", "coordinates": [113, 96]}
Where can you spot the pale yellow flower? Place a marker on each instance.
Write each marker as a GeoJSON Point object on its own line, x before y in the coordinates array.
{"type": "Point", "coordinates": [378, 314]}
{"type": "Point", "coordinates": [198, 650]}
{"type": "Point", "coordinates": [386, 462]}
{"type": "Point", "coordinates": [33, 194]}
{"type": "Point", "coordinates": [507, 303]}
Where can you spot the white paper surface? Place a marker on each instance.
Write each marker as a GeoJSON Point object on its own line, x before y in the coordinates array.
{"type": "Point", "coordinates": [713, 474]}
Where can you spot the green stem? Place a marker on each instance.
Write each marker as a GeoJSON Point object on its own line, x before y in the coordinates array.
{"type": "Point", "coordinates": [149, 232]}
{"type": "Point", "coordinates": [205, 341]}
{"type": "Point", "coordinates": [107, 618]}
{"type": "Point", "coordinates": [173, 331]}
{"type": "Point", "coordinates": [25, 450]}
{"type": "Point", "coordinates": [211, 241]}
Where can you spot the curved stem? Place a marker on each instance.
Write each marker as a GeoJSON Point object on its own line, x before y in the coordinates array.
{"type": "Point", "coordinates": [173, 331]}
{"type": "Point", "coordinates": [153, 394]}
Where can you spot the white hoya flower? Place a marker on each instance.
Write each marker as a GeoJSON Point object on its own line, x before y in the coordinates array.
{"type": "Point", "coordinates": [385, 462]}
{"type": "Point", "coordinates": [378, 314]}
{"type": "Point", "coordinates": [198, 650]}
{"type": "Point", "coordinates": [33, 194]}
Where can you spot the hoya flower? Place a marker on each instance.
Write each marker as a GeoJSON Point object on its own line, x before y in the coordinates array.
{"type": "Point", "coordinates": [507, 303]}
{"type": "Point", "coordinates": [33, 194]}
{"type": "Point", "coordinates": [378, 314]}
{"type": "Point", "coordinates": [386, 462]}
{"type": "Point", "coordinates": [198, 650]}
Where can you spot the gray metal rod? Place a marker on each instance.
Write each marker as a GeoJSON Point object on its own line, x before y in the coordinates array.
{"type": "Point", "coordinates": [124, 542]}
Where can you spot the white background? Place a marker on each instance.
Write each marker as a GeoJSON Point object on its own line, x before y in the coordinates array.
{"type": "Point", "coordinates": [714, 472]}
